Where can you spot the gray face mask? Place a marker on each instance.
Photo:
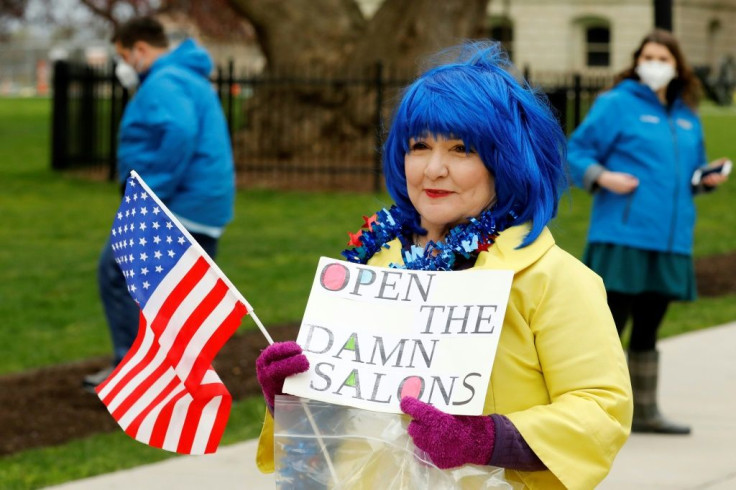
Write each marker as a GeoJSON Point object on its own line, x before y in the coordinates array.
{"type": "Point", "coordinates": [127, 75]}
{"type": "Point", "coordinates": [655, 74]}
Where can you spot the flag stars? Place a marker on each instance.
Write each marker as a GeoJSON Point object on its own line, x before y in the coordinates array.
{"type": "Point", "coordinates": [147, 242]}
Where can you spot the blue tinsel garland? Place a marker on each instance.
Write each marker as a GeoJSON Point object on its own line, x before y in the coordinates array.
{"type": "Point", "coordinates": [463, 240]}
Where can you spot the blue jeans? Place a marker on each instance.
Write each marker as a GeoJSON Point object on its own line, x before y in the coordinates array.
{"type": "Point", "coordinates": [121, 311]}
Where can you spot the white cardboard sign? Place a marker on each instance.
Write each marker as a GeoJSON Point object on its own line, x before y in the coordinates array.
{"type": "Point", "coordinates": [375, 334]}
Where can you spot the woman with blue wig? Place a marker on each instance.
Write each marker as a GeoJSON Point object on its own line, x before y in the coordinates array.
{"type": "Point", "coordinates": [474, 161]}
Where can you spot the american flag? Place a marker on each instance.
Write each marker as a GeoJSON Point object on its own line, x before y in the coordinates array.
{"type": "Point", "coordinates": [165, 393]}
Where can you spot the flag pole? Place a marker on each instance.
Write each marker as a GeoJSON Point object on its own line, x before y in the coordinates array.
{"type": "Point", "coordinates": [307, 411]}
{"type": "Point", "coordinates": [261, 327]}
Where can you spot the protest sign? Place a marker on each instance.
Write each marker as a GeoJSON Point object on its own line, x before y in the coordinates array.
{"type": "Point", "coordinates": [375, 334]}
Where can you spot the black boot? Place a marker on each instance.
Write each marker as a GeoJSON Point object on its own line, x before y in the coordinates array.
{"type": "Point", "coordinates": [644, 370]}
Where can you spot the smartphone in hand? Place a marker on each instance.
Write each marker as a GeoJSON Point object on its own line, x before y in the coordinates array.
{"type": "Point", "coordinates": [724, 168]}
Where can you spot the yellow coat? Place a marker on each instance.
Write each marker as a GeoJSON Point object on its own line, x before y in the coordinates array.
{"type": "Point", "coordinates": [559, 374]}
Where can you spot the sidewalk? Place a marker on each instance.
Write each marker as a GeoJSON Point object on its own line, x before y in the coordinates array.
{"type": "Point", "coordinates": [697, 386]}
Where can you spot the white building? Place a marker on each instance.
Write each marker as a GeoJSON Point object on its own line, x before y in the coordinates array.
{"type": "Point", "coordinates": [581, 35]}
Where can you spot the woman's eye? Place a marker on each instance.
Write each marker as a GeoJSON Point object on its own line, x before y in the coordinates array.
{"type": "Point", "coordinates": [462, 149]}
{"type": "Point", "coordinates": [418, 145]}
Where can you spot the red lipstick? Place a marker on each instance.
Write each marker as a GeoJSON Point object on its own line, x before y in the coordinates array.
{"type": "Point", "coordinates": [436, 193]}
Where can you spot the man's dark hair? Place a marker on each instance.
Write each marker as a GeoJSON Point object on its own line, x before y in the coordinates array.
{"type": "Point", "coordinates": [146, 29]}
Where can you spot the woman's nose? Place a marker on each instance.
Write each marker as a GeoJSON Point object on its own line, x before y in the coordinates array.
{"type": "Point", "coordinates": [436, 165]}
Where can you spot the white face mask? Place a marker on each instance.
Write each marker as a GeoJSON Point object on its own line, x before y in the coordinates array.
{"type": "Point", "coordinates": [655, 74]}
{"type": "Point", "coordinates": [127, 75]}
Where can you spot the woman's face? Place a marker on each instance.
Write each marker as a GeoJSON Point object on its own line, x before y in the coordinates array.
{"type": "Point", "coordinates": [656, 52]}
{"type": "Point", "coordinates": [447, 183]}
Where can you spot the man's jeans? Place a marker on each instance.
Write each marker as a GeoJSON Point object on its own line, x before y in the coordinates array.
{"type": "Point", "coordinates": [121, 310]}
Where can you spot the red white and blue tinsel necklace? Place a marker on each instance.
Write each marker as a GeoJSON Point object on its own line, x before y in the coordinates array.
{"type": "Point", "coordinates": [462, 241]}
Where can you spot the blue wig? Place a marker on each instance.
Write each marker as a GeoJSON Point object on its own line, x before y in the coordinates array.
{"type": "Point", "coordinates": [474, 98]}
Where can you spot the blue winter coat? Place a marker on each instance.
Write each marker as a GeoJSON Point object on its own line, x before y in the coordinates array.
{"type": "Point", "coordinates": [174, 134]}
{"type": "Point", "coordinates": [629, 130]}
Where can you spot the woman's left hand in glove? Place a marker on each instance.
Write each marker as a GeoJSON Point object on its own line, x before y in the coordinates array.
{"type": "Point", "coordinates": [449, 440]}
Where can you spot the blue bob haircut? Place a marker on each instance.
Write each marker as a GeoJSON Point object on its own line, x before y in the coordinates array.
{"type": "Point", "coordinates": [476, 99]}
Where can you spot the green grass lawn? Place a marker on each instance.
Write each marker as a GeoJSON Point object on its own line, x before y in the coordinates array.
{"type": "Point", "coordinates": [53, 226]}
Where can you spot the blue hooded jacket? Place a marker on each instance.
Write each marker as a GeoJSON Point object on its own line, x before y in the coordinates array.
{"type": "Point", "coordinates": [174, 134]}
{"type": "Point", "coordinates": [628, 130]}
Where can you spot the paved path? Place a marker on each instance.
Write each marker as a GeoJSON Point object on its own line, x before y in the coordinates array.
{"type": "Point", "coordinates": [698, 386]}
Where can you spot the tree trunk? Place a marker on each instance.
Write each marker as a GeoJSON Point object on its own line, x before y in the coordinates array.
{"type": "Point", "coordinates": [312, 35]}
{"type": "Point", "coordinates": [333, 123]}
{"type": "Point", "coordinates": [401, 33]}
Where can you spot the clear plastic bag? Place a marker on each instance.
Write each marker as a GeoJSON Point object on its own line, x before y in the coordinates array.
{"type": "Point", "coordinates": [318, 445]}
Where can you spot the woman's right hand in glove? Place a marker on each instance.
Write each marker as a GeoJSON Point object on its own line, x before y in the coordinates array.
{"type": "Point", "coordinates": [277, 362]}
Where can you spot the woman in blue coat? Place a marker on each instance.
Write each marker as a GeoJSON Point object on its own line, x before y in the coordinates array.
{"type": "Point", "coordinates": [638, 150]}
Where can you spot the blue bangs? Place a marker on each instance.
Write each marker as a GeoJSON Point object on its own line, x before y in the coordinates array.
{"type": "Point", "coordinates": [510, 126]}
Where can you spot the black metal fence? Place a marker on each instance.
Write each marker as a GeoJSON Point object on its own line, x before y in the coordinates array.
{"type": "Point", "coordinates": [87, 107]}
{"type": "Point", "coordinates": [300, 131]}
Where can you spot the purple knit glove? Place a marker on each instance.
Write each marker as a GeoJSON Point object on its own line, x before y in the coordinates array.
{"type": "Point", "coordinates": [277, 362]}
{"type": "Point", "coordinates": [449, 440]}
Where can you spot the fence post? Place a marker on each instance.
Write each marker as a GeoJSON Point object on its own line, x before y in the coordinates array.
{"type": "Point", "coordinates": [378, 154]}
{"type": "Point", "coordinates": [219, 82]}
{"type": "Point", "coordinates": [230, 90]}
{"type": "Point", "coordinates": [60, 115]}
{"type": "Point", "coordinates": [577, 88]}
{"type": "Point", "coordinates": [87, 115]}
{"type": "Point", "coordinates": [114, 118]}
{"type": "Point", "coordinates": [119, 97]}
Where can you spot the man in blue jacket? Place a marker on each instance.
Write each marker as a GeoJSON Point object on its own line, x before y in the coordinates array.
{"type": "Point", "coordinates": [174, 134]}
